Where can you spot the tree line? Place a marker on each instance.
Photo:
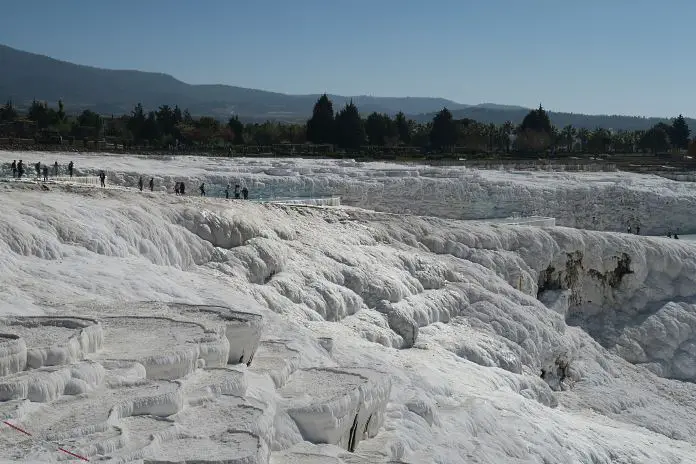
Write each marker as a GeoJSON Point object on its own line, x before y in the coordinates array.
{"type": "Point", "coordinates": [343, 130]}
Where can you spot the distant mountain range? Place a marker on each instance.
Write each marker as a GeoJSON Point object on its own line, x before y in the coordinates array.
{"type": "Point", "coordinates": [26, 76]}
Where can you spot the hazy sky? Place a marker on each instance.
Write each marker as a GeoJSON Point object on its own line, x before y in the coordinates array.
{"type": "Point", "coordinates": [589, 56]}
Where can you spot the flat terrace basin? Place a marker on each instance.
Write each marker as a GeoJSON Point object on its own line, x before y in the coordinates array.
{"type": "Point", "coordinates": [45, 331]}
{"type": "Point", "coordinates": [242, 329]}
{"type": "Point", "coordinates": [167, 348]}
{"type": "Point", "coordinates": [139, 337]}
{"type": "Point", "coordinates": [312, 386]}
{"type": "Point", "coordinates": [228, 447]}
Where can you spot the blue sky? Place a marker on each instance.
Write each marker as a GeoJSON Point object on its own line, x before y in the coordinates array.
{"type": "Point", "coordinates": [590, 56]}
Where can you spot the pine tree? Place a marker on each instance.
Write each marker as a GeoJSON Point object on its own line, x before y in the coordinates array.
{"type": "Point", "coordinates": [350, 130]}
{"type": "Point", "coordinates": [444, 130]}
{"type": "Point", "coordinates": [679, 133]}
{"type": "Point", "coordinates": [321, 127]}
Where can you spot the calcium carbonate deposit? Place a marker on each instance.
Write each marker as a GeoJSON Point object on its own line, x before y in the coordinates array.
{"type": "Point", "coordinates": [143, 327]}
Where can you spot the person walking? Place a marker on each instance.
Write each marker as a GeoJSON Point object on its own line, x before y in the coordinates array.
{"type": "Point", "coordinates": [202, 189]}
{"type": "Point", "coordinates": [102, 178]}
{"type": "Point", "coordinates": [152, 184]}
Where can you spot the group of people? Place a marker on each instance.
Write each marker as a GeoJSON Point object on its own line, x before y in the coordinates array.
{"type": "Point", "coordinates": [18, 169]}
{"type": "Point", "coordinates": [669, 234]}
{"type": "Point", "coordinates": [151, 184]}
{"type": "Point", "coordinates": [244, 192]}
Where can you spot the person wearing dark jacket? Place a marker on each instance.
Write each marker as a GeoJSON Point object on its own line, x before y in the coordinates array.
{"type": "Point", "coordinates": [70, 168]}
{"type": "Point", "coordinates": [45, 173]}
{"type": "Point", "coordinates": [152, 184]}
{"type": "Point", "coordinates": [102, 178]}
{"type": "Point", "coordinates": [182, 188]}
{"type": "Point", "coordinates": [202, 189]}
{"type": "Point", "coordinates": [20, 169]}
{"type": "Point", "coordinates": [140, 183]}
{"type": "Point", "coordinates": [37, 166]}
{"type": "Point", "coordinates": [14, 168]}
{"type": "Point", "coordinates": [245, 193]}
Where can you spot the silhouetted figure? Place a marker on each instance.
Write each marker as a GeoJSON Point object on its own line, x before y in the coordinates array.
{"type": "Point", "coordinates": [140, 183]}
{"type": "Point", "coordinates": [37, 166]}
{"type": "Point", "coordinates": [176, 188]}
{"type": "Point", "coordinates": [227, 191]}
{"type": "Point", "coordinates": [676, 236]}
{"type": "Point", "coordinates": [182, 188]}
{"type": "Point", "coordinates": [20, 169]}
{"type": "Point", "coordinates": [70, 168]}
{"type": "Point", "coordinates": [102, 178]}
{"type": "Point", "coordinates": [245, 193]}
{"type": "Point", "coordinates": [152, 184]}
{"type": "Point", "coordinates": [14, 168]}
{"type": "Point", "coordinates": [55, 169]}
{"type": "Point", "coordinates": [629, 229]}
{"type": "Point", "coordinates": [669, 234]}
{"type": "Point", "coordinates": [637, 230]}
{"type": "Point", "coordinates": [236, 191]}
{"type": "Point", "coordinates": [202, 189]}
{"type": "Point", "coordinates": [45, 173]}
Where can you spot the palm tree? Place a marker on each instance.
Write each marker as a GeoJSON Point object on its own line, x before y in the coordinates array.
{"type": "Point", "coordinates": [569, 133]}
{"type": "Point", "coordinates": [584, 136]}
{"type": "Point", "coordinates": [507, 131]}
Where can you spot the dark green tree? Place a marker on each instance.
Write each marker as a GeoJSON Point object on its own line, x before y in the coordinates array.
{"type": "Point", "coordinates": [136, 123]}
{"type": "Point", "coordinates": [8, 112]}
{"type": "Point", "coordinates": [150, 129]}
{"type": "Point", "coordinates": [443, 133]}
{"type": "Point", "coordinates": [600, 141]}
{"type": "Point", "coordinates": [380, 129]}
{"type": "Point", "coordinates": [38, 112]}
{"type": "Point", "coordinates": [321, 126]}
{"type": "Point", "coordinates": [350, 130]}
{"type": "Point", "coordinates": [403, 128]}
{"type": "Point", "coordinates": [237, 129]}
{"type": "Point", "coordinates": [655, 140]}
{"type": "Point", "coordinates": [60, 115]}
{"type": "Point", "coordinates": [679, 133]}
{"type": "Point", "coordinates": [538, 121]}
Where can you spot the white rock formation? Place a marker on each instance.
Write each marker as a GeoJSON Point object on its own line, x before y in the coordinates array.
{"type": "Point", "coordinates": [520, 330]}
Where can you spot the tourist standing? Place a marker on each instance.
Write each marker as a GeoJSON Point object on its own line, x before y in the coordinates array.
{"type": "Point", "coordinates": [70, 168]}
{"type": "Point", "coordinates": [152, 184]}
{"type": "Point", "coordinates": [245, 193]}
{"type": "Point", "coordinates": [20, 169]}
{"type": "Point", "coordinates": [102, 178]}
{"type": "Point", "coordinates": [202, 189]}
{"type": "Point", "coordinates": [140, 183]}
{"type": "Point", "coordinates": [55, 169]}
{"type": "Point", "coordinates": [14, 168]}
{"type": "Point", "coordinates": [45, 173]}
